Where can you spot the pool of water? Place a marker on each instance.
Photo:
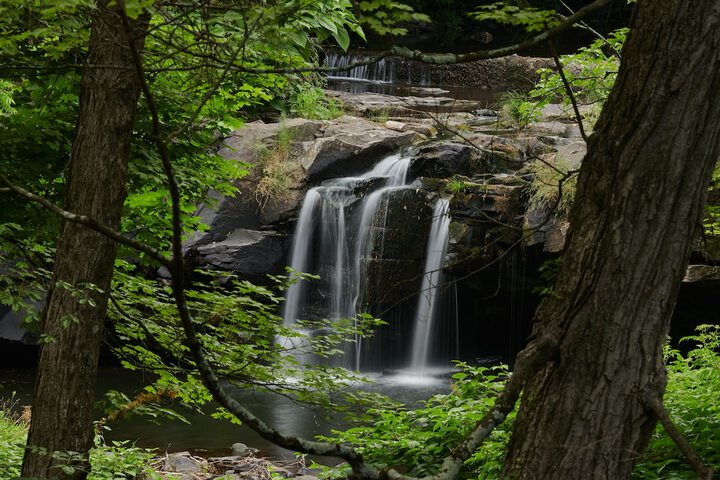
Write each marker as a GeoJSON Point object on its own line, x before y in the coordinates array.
{"type": "Point", "coordinates": [207, 435]}
{"type": "Point", "coordinates": [487, 97]}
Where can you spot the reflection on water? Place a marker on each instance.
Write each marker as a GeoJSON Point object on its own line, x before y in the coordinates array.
{"type": "Point", "coordinates": [216, 436]}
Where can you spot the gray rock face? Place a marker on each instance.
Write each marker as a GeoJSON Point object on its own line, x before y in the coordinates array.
{"type": "Point", "coordinates": [378, 104]}
{"type": "Point", "coordinates": [188, 466]}
{"type": "Point", "coordinates": [350, 145]}
{"type": "Point", "coordinates": [442, 160]}
{"type": "Point", "coordinates": [250, 254]}
{"type": "Point", "coordinates": [702, 274]}
{"type": "Point", "coordinates": [11, 327]}
{"type": "Point", "coordinates": [396, 265]}
{"type": "Point", "coordinates": [248, 235]}
{"type": "Point", "coordinates": [240, 451]}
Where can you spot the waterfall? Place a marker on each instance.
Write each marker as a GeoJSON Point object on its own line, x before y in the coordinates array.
{"type": "Point", "coordinates": [327, 206]}
{"type": "Point", "coordinates": [380, 71]}
{"type": "Point", "coordinates": [299, 260]}
{"type": "Point", "coordinates": [426, 306]}
{"type": "Point", "coordinates": [341, 231]}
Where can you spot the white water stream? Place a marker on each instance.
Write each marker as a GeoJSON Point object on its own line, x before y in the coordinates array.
{"type": "Point", "coordinates": [335, 224]}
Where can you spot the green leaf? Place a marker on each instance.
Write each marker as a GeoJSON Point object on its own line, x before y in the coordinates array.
{"type": "Point", "coordinates": [342, 38]}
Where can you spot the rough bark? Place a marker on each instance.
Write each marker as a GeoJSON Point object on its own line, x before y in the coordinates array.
{"type": "Point", "coordinates": [638, 205]}
{"type": "Point", "coordinates": [65, 383]}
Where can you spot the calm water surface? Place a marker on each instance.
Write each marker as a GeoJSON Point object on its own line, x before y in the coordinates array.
{"type": "Point", "coordinates": [205, 433]}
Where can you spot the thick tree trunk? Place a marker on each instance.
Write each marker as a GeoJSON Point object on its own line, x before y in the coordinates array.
{"type": "Point", "coordinates": [639, 201]}
{"type": "Point", "coordinates": [65, 383]}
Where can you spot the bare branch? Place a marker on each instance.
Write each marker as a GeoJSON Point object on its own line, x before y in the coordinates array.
{"type": "Point", "coordinates": [570, 93]}
{"type": "Point", "coordinates": [503, 51]}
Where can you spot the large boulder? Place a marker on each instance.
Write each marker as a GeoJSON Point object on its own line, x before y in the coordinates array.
{"type": "Point", "coordinates": [250, 254]}
{"type": "Point", "coordinates": [350, 145]}
{"type": "Point", "coordinates": [444, 159]}
{"type": "Point", "coordinates": [11, 326]}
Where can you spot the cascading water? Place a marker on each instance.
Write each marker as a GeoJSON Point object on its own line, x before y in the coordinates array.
{"type": "Point", "coordinates": [427, 300]}
{"type": "Point", "coordinates": [327, 206]}
{"type": "Point", "coordinates": [380, 71]}
{"type": "Point", "coordinates": [341, 230]}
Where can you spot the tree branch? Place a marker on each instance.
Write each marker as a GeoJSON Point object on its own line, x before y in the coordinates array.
{"type": "Point", "coordinates": [696, 463]}
{"type": "Point", "coordinates": [570, 93]}
{"type": "Point", "coordinates": [529, 361]}
{"type": "Point", "coordinates": [503, 51]}
{"type": "Point", "coordinates": [89, 222]}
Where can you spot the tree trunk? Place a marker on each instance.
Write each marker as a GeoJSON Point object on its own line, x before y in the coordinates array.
{"type": "Point", "coordinates": [638, 207]}
{"type": "Point", "coordinates": [65, 383]}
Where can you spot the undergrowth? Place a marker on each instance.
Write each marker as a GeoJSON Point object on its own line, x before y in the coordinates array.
{"type": "Point", "coordinates": [417, 438]}
{"type": "Point", "coordinates": [546, 188]}
{"type": "Point", "coordinates": [116, 461]}
{"type": "Point", "coordinates": [279, 172]}
{"type": "Point", "coordinates": [309, 101]}
{"type": "Point", "coordinates": [13, 430]}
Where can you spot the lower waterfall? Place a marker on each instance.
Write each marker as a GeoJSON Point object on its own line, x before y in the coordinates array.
{"type": "Point", "coordinates": [427, 298]}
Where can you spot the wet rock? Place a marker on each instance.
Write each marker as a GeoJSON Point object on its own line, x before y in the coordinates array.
{"type": "Point", "coordinates": [395, 264]}
{"type": "Point", "coordinates": [428, 91]}
{"type": "Point", "coordinates": [378, 104]}
{"type": "Point", "coordinates": [320, 150]}
{"type": "Point", "coordinates": [513, 72]}
{"type": "Point", "coordinates": [315, 472]}
{"type": "Point", "coordinates": [397, 126]}
{"type": "Point", "coordinates": [185, 464]}
{"type": "Point", "coordinates": [240, 449]}
{"type": "Point", "coordinates": [442, 160]}
{"type": "Point", "coordinates": [306, 477]}
{"type": "Point", "coordinates": [486, 112]}
{"type": "Point", "coordinates": [556, 111]}
{"type": "Point", "coordinates": [422, 129]}
{"type": "Point", "coordinates": [11, 325]}
{"type": "Point", "coordinates": [544, 228]}
{"type": "Point", "coordinates": [350, 146]}
{"type": "Point", "coordinates": [702, 274]}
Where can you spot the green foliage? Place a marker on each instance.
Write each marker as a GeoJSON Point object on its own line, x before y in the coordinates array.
{"type": "Point", "coordinates": [591, 72]}
{"type": "Point", "coordinates": [711, 222]}
{"type": "Point", "coordinates": [243, 337]}
{"type": "Point", "coordinates": [279, 173]}
{"type": "Point", "coordinates": [456, 184]}
{"type": "Point", "coordinates": [386, 17]}
{"type": "Point", "coordinates": [42, 47]}
{"type": "Point", "coordinates": [417, 438]}
{"type": "Point", "coordinates": [691, 401]}
{"type": "Point", "coordinates": [13, 430]}
{"type": "Point", "coordinates": [311, 102]}
{"type": "Point", "coordinates": [519, 109]}
{"type": "Point", "coordinates": [530, 18]}
{"type": "Point", "coordinates": [119, 461]}
{"type": "Point", "coordinates": [548, 272]}
{"type": "Point", "coordinates": [553, 184]}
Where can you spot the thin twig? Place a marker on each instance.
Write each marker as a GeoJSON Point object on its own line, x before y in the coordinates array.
{"type": "Point", "coordinates": [570, 93]}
